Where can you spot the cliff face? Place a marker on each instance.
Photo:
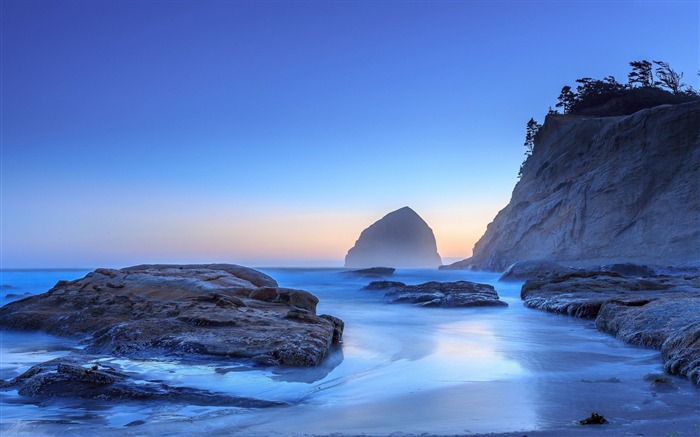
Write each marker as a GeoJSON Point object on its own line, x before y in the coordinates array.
{"type": "Point", "coordinates": [603, 190]}
{"type": "Point", "coordinates": [400, 239]}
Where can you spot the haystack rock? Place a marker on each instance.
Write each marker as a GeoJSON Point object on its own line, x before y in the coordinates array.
{"type": "Point", "coordinates": [400, 239]}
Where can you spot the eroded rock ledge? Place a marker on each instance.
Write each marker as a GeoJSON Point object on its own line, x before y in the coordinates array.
{"type": "Point", "coordinates": [84, 378]}
{"type": "Point", "coordinates": [439, 294]}
{"type": "Point", "coordinates": [148, 311]}
{"type": "Point", "coordinates": [660, 312]}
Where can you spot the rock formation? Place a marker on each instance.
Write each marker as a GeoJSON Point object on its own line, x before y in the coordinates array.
{"type": "Point", "coordinates": [85, 378]}
{"type": "Point", "coordinates": [401, 239]}
{"type": "Point", "coordinates": [603, 190]}
{"type": "Point", "coordinates": [439, 294]}
{"type": "Point", "coordinates": [372, 272]}
{"type": "Point", "coordinates": [662, 312]}
{"type": "Point", "coordinates": [530, 269]}
{"type": "Point", "coordinates": [628, 269]}
{"type": "Point", "coordinates": [219, 310]}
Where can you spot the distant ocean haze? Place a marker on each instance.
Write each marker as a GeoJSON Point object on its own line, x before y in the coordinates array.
{"type": "Point", "coordinates": [266, 237]}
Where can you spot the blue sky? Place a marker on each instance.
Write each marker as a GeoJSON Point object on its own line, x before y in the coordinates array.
{"type": "Point", "coordinates": [272, 133]}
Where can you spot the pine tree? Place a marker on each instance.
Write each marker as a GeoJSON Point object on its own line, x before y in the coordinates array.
{"type": "Point", "coordinates": [668, 77]}
{"type": "Point", "coordinates": [530, 134]}
{"type": "Point", "coordinates": [567, 98]}
{"type": "Point", "coordinates": [641, 74]}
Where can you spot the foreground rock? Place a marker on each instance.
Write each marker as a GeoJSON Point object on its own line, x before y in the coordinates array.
{"type": "Point", "coordinates": [439, 294]}
{"type": "Point", "coordinates": [401, 238]}
{"type": "Point", "coordinates": [78, 378]}
{"type": "Point", "coordinates": [661, 312]}
{"type": "Point", "coordinates": [523, 270]}
{"type": "Point", "coordinates": [177, 310]}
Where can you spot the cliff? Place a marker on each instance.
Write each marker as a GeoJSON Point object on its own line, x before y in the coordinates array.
{"type": "Point", "coordinates": [399, 239]}
{"type": "Point", "coordinates": [599, 190]}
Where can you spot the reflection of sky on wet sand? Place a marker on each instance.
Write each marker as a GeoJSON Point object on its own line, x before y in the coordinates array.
{"type": "Point", "coordinates": [468, 351]}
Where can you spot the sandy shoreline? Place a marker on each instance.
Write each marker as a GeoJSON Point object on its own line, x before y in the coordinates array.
{"type": "Point", "coordinates": [689, 426]}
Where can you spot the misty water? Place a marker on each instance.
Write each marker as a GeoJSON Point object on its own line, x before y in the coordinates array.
{"type": "Point", "coordinates": [400, 369]}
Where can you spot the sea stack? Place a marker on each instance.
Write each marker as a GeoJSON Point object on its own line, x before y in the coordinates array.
{"type": "Point", "coordinates": [400, 239]}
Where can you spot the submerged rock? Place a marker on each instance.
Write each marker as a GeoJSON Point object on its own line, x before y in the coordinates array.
{"type": "Point", "coordinates": [439, 294]}
{"type": "Point", "coordinates": [662, 312]}
{"type": "Point", "coordinates": [401, 238]}
{"type": "Point", "coordinates": [219, 310]}
{"type": "Point", "coordinates": [372, 271]}
{"type": "Point", "coordinates": [593, 419]}
{"type": "Point", "coordinates": [660, 382]}
{"type": "Point", "coordinates": [529, 269]}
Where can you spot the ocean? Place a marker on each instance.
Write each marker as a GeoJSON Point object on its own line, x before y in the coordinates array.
{"type": "Point", "coordinates": [401, 370]}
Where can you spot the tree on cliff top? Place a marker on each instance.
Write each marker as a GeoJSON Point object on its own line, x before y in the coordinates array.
{"type": "Point", "coordinates": [668, 77]}
{"type": "Point", "coordinates": [641, 74]}
{"type": "Point", "coordinates": [608, 97]}
{"type": "Point", "coordinates": [594, 92]}
{"type": "Point", "coordinates": [567, 98]}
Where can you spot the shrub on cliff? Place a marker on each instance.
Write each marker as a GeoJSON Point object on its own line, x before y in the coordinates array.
{"type": "Point", "coordinates": [608, 97]}
{"type": "Point", "coordinates": [631, 100]}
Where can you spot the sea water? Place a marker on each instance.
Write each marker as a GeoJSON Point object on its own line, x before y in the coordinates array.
{"type": "Point", "coordinates": [400, 369]}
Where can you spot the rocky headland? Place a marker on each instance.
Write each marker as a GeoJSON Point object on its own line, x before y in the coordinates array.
{"type": "Point", "coordinates": [439, 294]}
{"type": "Point", "coordinates": [401, 238]}
{"type": "Point", "coordinates": [661, 312]}
{"type": "Point", "coordinates": [178, 311]}
{"type": "Point", "coordinates": [607, 208]}
{"type": "Point", "coordinates": [603, 190]}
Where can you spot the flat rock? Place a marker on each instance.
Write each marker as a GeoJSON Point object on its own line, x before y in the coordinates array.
{"type": "Point", "coordinates": [147, 311]}
{"type": "Point", "coordinates": [439, 294]}
{"type": "Point", "coordinates": [662, 312]}
{"type": "Point", "coordinates": [528, 269]}
{"type": "Point", "coordinates": [372, 271]}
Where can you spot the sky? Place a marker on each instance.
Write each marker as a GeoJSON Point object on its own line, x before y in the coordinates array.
{"type": "Point", "coordinates": [271, 133]}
